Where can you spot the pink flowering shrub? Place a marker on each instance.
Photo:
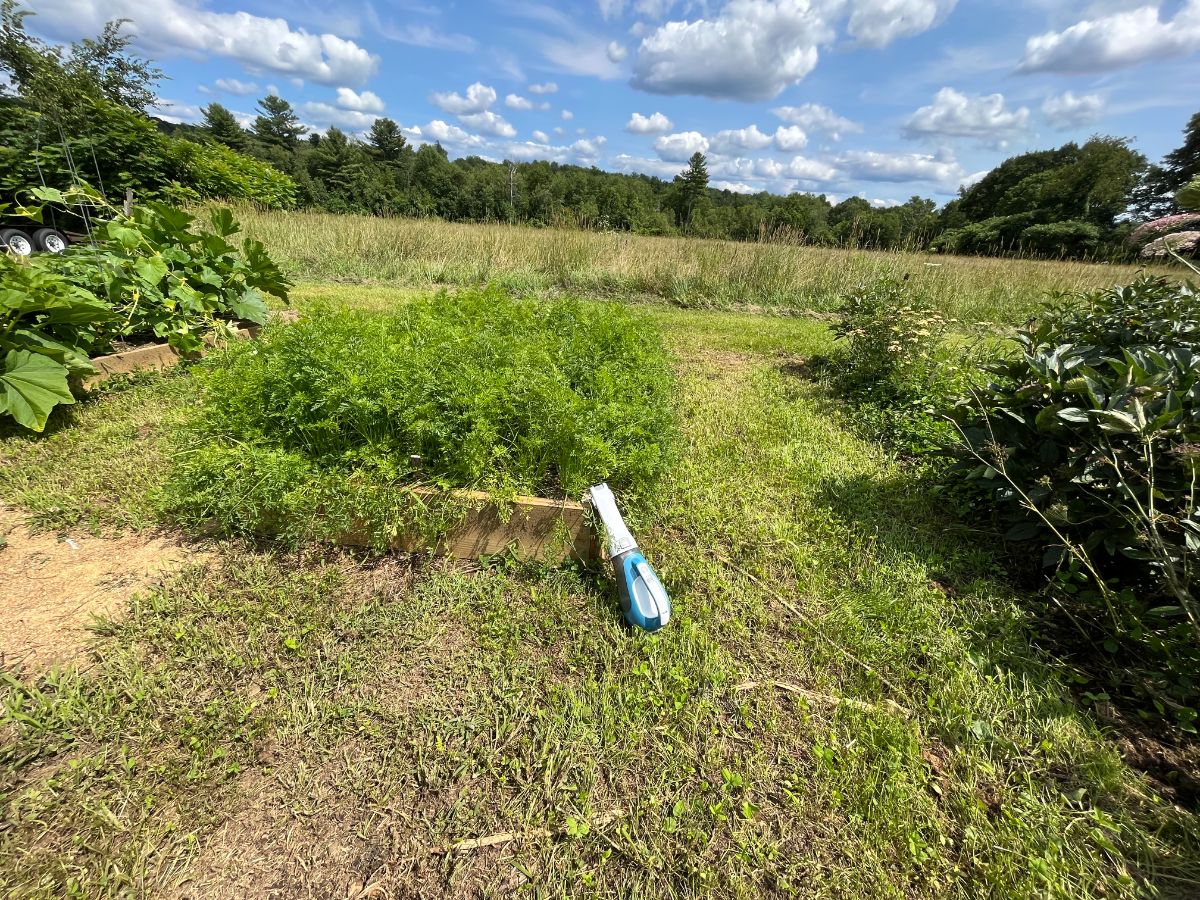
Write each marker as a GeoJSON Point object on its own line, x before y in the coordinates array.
{"type": "Point", "coordinates": [1182, 242]}
{"type": "Point", "coordinates": [1163, 226]}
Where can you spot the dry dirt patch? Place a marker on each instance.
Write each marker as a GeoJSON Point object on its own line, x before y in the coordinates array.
{"type": "Point", "coordinates": [52, 585]}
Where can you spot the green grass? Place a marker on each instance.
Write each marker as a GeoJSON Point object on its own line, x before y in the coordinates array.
{"type": "Point", "coordinates": [687, 272]}
{"type": "Point", "coordinates": [316, 723]}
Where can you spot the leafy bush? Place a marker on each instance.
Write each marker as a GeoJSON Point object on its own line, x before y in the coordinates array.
{"type": "Point", "coordinates": [888, 363]}
{"type": "Point", "coordinates": [1069, 239]}
{"type": "Point", "coordinates": [507, 395]}
{"type": "Point", "coordinates": [122, 149]}
{"type": "Point", "coordinates": [1087, 444]}
{"type": "Point", "coordinates": [147, 276]}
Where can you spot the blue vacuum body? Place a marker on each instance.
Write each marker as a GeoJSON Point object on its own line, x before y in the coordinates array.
{"type": "Point", "coordinates": [644, 601]}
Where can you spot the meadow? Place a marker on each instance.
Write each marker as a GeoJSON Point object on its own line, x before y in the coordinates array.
{"type": "Point", "coordinates": [777, 277]}
{"type": "Point", "coordinates": [853, 699]}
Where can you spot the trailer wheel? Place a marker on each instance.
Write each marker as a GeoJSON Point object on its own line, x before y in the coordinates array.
{"type": "Point", "coordinates": [18, 242]}
{"type": "Point", "coordinates": [51, 240]}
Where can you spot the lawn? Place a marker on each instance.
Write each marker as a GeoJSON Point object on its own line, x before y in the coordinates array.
{"type": "Point", "coordinates": [849, 701]}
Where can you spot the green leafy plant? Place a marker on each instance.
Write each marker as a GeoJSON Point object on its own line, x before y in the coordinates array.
{"type": "Point", "coordinates": [148, 276]}
{"type": "Point", "coordinates": [1087, 445]}
{"type": "Point", "coordinates": [889, 365]}
{"type": "Point", "coordinates": [476, 389]}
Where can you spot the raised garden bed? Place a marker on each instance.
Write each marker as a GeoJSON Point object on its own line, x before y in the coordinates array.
{"type": "Point", "coordinates": [150, 358]}
{"type": "Point", "coordinates": [456, 425]}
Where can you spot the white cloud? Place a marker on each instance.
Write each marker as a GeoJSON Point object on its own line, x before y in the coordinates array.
{"type": "Point", "coordinates": [789, 138]}
{"type": "Point", "coordinates": [173, 111]}
{"type": "Point", "coordinates": [867, 165]}
{"type": "Point", "coordinates": [444, 133]}
{"type": "Point", "coordinates": [753, 49]}
{"type": "Point", "coordinates": [233, 86]}
{"type": "Point", "coordinates": [655, 123]}
{"type": "Point", "coordinates": [259, 43]}
{"type": "Point", "coordinates": [737, 187]}
{"type": "Point", "coordinates": [814, 117]}
{"type": "Point", "coordinates": [479, 97]}
{"type": "Point", "coordinates": [589, 150]}
{"type": "Point", "coordinates": [623, 162]}
{"type": "Point", "coordinates": [732, 140]}
{"type": "Point", "coordinates": [516, 101]}
{"type": "Point", "coordinates": [810, 169]}
{"type": "Point", "coordinates": [1069, 110]}
{"type": "Point", "coordinates": [489, 123]}
{"type": "Point", "coordinates": [953, 114]}
{"type": "Point", "coordinates": [367, 101]}
{"type": "Point", "coordinates": [325, 114]}
{"type": "Point", "coordinates": [548, 87]}
{"type": "Point", "coordinates": [541, 137]}
{"type": "Point", "coordinates": [1113, 41]}
{"type": "Point", "coordinates": [567, 115]}
{"type": "Point", "coordinates": [885, 204]}
{"type": "Point", "coordinates": [876, 23]}
{"type": "Point", "coordinates": [678, 147]}
{"type": "Point", "coordinates": [617, 52]}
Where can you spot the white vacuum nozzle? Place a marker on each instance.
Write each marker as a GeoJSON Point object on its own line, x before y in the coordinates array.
{"type": "Point", "coordinates": [619, 539]}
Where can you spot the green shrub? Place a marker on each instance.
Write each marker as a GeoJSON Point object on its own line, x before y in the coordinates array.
{"type": "Point", "coordinates": [143, 277]}
{"type": "Point", "coordinates": [889, 363]}
{"type": "Point", "coordinates": [1062, 239]}
{"type": "Point", "coordinates": [1087, 445]}
{"type": "Point", "coordinates": [491, 392]}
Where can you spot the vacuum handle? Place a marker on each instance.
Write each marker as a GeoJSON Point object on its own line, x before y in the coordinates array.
{"type": "Point", "coordinates": [605, 504]}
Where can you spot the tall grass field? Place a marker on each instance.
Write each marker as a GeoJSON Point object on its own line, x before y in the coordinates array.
{"type": "Point", "coordinates": [688, 272]}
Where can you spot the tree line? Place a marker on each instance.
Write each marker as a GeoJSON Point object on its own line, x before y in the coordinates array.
{"type": "Point", "coordinates": [80, 112]}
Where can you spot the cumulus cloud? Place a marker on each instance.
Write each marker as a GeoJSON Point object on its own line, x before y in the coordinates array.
{"type": "Point", "coordinates": [589, 150]}
{"type": "Point", "coordinates": [325, 114]}
{"type": "Point", "coordinates": [548, 87]}
{"type": "Point", "coordinates": [868, 165]}
{"type": "Point", "coordinates": [953, 114]}
{"type": "Point", "coordinates": [876, 23]}
{"type": "Point", "coordinates": [567, 115]}
{"type": "Point", "coordinates": [541, 137]}
{"type": "Point", "coordinates": [806, 169]}
{"type": "Point", "coordinates": [445, 133]}
{"type": "Point", "coordinates": [489, 123]}
{"type": "Point", "coordinates": [623, 162]}
{"type": "Point", "coordinates": [478, 98]}
{"type": "Point", "coordinates": [736, 187]}
{"type": "Point", "coordinates": [733, 140]}
{"type": "Point", "coordinates": [753, 49]}
{"type": "Point", "coordinates": [790, 137]}
{"type": "Point", "coordinates": [516, 101]}
{"type": "Point", "coordinates": [367, 101]}
{"type": "Point", "coordinates": [258, 42]}
{"type": "Point", "coordinates": [178, 113]}
{"type": "Point", "coordinates": [655, 123]}
{"type": "Point", "coordinates": [617, 52]}
{"type": "Point", "coordinates": [1070, 110]}
{"type": "Point", "coordinates": [233, 86]}
{"type": "Point", "coordinates": [814, 117]}
{"type": "Point", "coordinates": [1115, 41]}
{"type": "Point", "coordinates": [678, 147]}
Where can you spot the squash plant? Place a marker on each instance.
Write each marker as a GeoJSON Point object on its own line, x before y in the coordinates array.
{"type": "Point", "coordinates": [148, 276]}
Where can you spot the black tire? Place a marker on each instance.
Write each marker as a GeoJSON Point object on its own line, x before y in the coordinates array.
{"type": "Point", "coordinates": [51, 240]}
{"type": "Point", "coordinates": [17, 242]}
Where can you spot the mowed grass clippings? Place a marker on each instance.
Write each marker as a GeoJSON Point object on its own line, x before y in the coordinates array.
{"type": "Point", "coordinates": [846, 704]}
{"type": "Point", "coordinates": [690, 272]}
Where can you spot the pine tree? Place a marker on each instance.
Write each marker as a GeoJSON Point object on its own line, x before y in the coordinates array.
{"type": "Point", "coordinates": [223, 126]}
{"type": "Point", "coordinates": [1183, 164]}
{"type": "Point", "coordinates": [277, 123]}
{"type": "Point", "coordinates": [693, 187]}
{"type": "Point", "coordinates": [386, 142]}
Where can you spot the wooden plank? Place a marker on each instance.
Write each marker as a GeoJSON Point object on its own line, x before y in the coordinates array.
{"type": "Point", "coordinates": [531, 528]}
{"type": "Point", "coordinates": [155, 358]}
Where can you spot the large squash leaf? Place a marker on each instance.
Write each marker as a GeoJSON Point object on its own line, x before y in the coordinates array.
{"type": "Point", "coordinates": [30, 386]}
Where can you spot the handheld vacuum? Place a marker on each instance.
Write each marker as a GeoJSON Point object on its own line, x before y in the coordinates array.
{"type": "Point", "coordinates": [644, 600]}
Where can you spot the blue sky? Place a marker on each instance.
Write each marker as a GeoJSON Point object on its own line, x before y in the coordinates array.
{"type": "Point", "coordinates": [878, 98]}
